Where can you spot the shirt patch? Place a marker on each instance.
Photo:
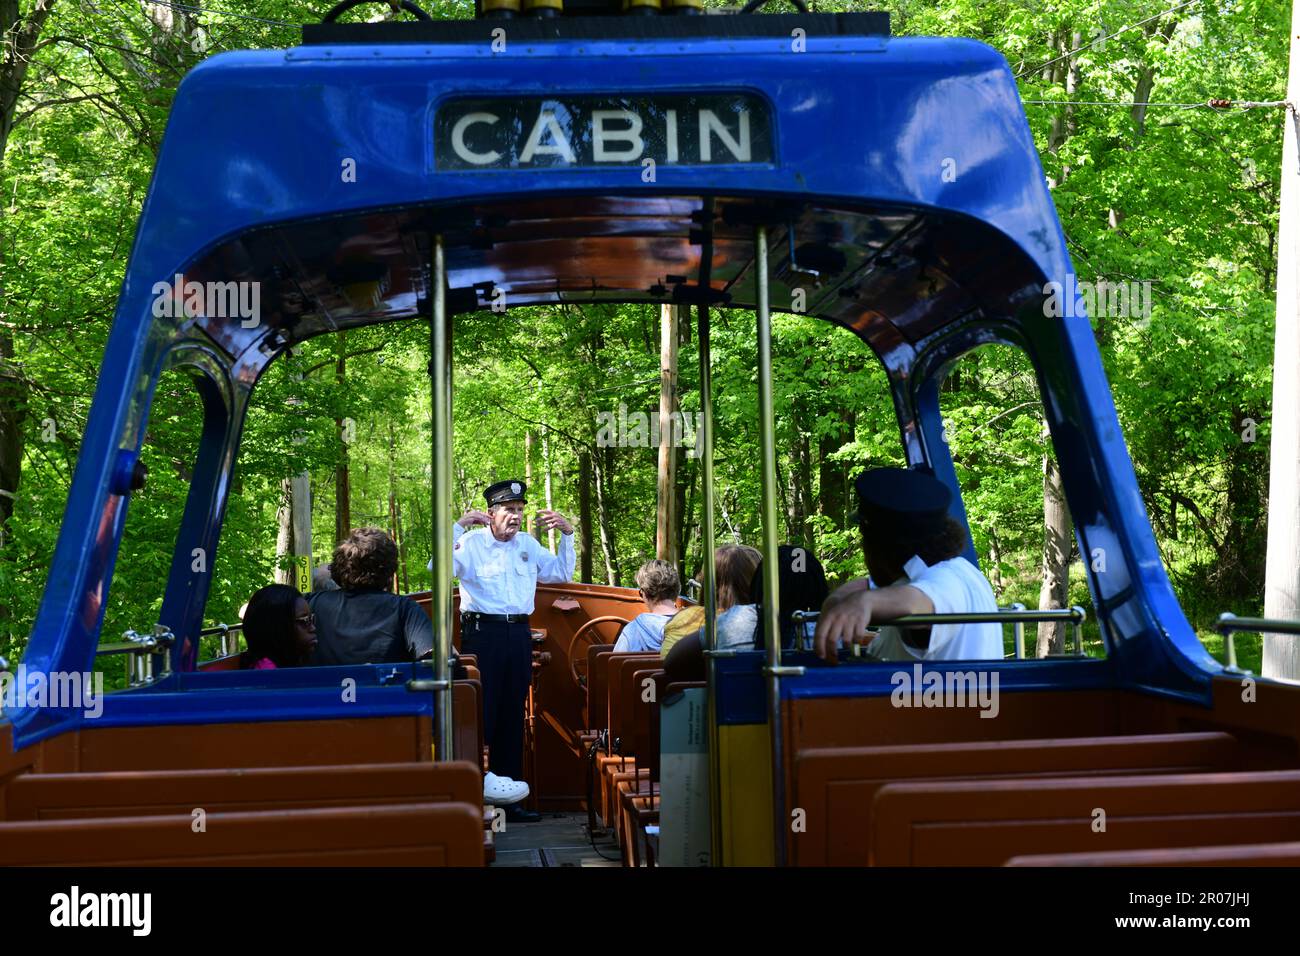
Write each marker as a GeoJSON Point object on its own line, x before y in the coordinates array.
{"type": "Point", "coordinates": [457, 548]}
{"type": "Point", "coordinates": [524, 556]}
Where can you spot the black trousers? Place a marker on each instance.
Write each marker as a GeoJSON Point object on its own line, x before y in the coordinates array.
{"type": "Point", "coordinates": [505, 659]}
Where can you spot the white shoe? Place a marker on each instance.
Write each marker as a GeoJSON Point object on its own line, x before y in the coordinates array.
{"type": "Point", "coordinates": [502, 791]}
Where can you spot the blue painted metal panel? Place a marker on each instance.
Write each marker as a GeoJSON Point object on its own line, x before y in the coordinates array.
{"type": "Point", "coordinates": [259, 138]}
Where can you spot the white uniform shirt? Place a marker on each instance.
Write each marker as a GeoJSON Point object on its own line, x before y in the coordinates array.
{"type": "Point", "coordinates": [500, 577]}
{"type": "Point", "coordinates": [954, 586]}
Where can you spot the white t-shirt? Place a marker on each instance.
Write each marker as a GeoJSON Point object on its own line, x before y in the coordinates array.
{"type": "Point", "coordinates": [954, 586]}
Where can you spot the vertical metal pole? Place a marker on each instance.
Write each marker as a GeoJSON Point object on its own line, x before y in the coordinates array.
{"type": "Point", "coordinates": [440, 400]}
{"type": "Point", "coordinates": [708, 540]}
{"type": "Point", "coordinates": [1019, 628]}
{"type": "Point", "coordinates": [771, 577]}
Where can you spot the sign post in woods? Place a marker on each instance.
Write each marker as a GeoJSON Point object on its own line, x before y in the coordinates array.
{"type": "Point", "coordinates": [1282, 579]}
{"type": "Point", "coordinates": [301, 518]}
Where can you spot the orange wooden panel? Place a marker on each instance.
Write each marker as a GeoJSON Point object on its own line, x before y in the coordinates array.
{"type": "Point", "coordinates": [150, 793]}
{"type": "Point", "coordinates": [835, 786]}
{"type": "Point", "coordinates": [448, 834]}
{"type": "Point", "coordinates": [1255, 854]}
{"type": "Point", "coordinates": [986, 823]}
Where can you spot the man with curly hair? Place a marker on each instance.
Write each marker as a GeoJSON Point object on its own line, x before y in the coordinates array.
{"type": "Point", "coordinates": [363, 621]}
{"type": "Point", "coordinates": [914, 550]}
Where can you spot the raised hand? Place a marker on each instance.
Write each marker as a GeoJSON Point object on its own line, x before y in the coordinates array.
{"type": "Point", "coordinates": [553, 519]}
{"type": "Point", "coordinates": [474, 517]}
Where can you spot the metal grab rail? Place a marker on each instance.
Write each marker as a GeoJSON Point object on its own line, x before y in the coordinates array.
{"type": "Point", "coordinates": [143, 648]}
{"type": "Point", "coordinates": [1019, 616]}
{"type": "Point", "coordinates": [229, 646]}
{"type": "Point", "coordinates": [1229, 622]}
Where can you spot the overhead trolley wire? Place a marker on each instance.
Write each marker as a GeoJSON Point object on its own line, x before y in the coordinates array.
{"type": "Point", "coordinates": [1131, 26]}
{"type": "Point", "coordinates": [191, 8]}
{"type": "Point", "coordinates": [1211, 104]}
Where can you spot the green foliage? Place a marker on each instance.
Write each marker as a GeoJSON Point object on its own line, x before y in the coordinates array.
{"type": "Point", "coordinates": [1182, 197]}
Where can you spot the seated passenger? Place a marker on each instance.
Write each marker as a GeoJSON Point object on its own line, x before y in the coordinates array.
{"type": "Point", "coordinates": [801, 583]}
{"type": "Point", "coordinates": [363, 622]}
{"type": "Point", "coordinates": [659, 586]}
{"type": "Point", "coordinates": [801, 586]}
{"type": "Point", "coordinates": [913, 549]}
{"type": "Point", "coordinates": [279, 629]}
{"type": "Point", "coordinates": [733, 568]}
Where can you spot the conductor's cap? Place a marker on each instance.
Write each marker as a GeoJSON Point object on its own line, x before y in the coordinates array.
{"type": "Point", "coordinates": [902, 501]}
{"type": "Point", "coordinates": [503, 491]}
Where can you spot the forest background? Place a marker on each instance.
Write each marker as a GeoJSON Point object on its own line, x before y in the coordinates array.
{"type": "Point", "coordinates": [1173, 193]}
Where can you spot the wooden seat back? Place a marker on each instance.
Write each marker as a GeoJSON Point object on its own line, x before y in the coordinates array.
{"type": "Point", "coordinates": [653, 731]}
{"type": "Point", "coordinates": [419, 834]}
{"type": "Point", "coordinates": [66, 796]}
{"type": "Point", "coordinates": [836, 785]}
{"type": "Point", "coordinates": [987, 822]}
{"type": "Point", "coordinates": [597, 711]}
{"type": "Point", "coordinates": [1254, 854]}
{"type": "Point", "coordinates": [622, 691]}
{"type": "Point", "coordinates": [467, 720]}
{"type": "Point", "coordinates": [641, 704]}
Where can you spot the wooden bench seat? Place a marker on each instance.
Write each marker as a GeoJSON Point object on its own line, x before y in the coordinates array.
{"type": "Point", "coordinates": [63, 796]}
{"type": "Point", "coordinates": [987, 822]}
{"type": "Point", "coordinates": [835, 786]}
{"type": "Point", "coordinates": [1253, 854]}
{"type": "Point", "coordinates": [419, 834]}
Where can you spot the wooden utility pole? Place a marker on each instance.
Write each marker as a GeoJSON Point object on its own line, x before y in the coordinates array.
{"type": "Point", "coordinates": [301, 518]}
{"type": "Point", "coordinates": [666, 525]}
{"type": "Point", "coordinates": [584, 516]}
{"type": "Point", "coordinates": [546, 464]}
{"type": "Point", "coordinates": [1282, 577]}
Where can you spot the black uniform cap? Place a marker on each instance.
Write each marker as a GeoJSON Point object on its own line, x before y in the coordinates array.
{"type": "Point", "coordinates": [503, 491]}
{"type": "Point", "coordinates": [902, 501]}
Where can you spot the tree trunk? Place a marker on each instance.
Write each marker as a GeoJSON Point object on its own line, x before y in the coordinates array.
{"type": "Point", "coordinates": [342, 477]}
{"type": "Point", "coordinates": [284, 535]}
{"type": "Point", "coordinates": [1055, 590]}
{"type": "Point", "coordinates": [21, 34]}
{"type": "Point", "coordinates": [546, 464]}
{"type": "Point", "coordinates": [666, 486]}
{"type": "Point", "coordinates": [832, 476]}
{"type": "Point", "coordinates": [801, 486]}
{"type": "Point", "coordinates": [604, 462]}
{"type": "Point", "coordinates": [584, 516]}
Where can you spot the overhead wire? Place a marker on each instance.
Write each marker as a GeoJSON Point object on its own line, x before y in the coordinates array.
{"type": "Point", "coordinates": [192, 8]}
{"type": "Point", "coordinates": [1095, 40]}
{"type": "Point", "coordinates": [1222, 106]}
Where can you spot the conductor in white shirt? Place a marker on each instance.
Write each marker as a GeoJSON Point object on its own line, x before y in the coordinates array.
{"type": "Point", "coordinates": [914, 550]}
{"type": "Point", "coordinates": [499, 567]}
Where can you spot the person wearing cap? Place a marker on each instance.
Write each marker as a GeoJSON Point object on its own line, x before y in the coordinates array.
{"type": "Point", "coordinates": [499, 567]}
{"type": "Point", "coordinates": [913, 548]}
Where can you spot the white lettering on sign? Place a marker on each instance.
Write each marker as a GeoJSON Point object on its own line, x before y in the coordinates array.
{"type": "Point", "coordinates": [559, 146]}
{"type": "Point", "coordinates": [739, 147]}
{"type": "Point", "coordinates": [458, 139]}
{"type": "Point", "coordinates": [601, 135]}
{"type": "Point", "coordinates": [559, 133]}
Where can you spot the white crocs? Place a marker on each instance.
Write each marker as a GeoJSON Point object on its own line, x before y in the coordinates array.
{"type": "Point", "coordinates": [502, 791]}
